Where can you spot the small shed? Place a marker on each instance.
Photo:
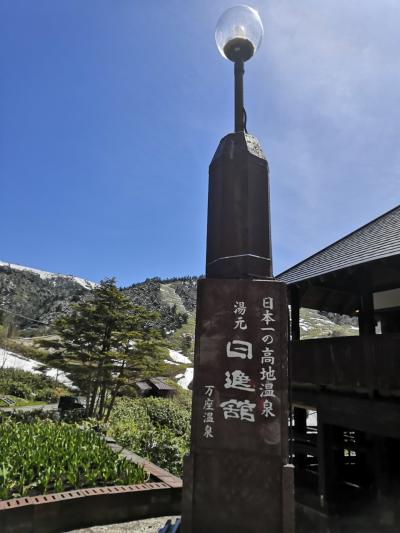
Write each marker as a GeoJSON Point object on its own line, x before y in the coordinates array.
{"type": "Point", "coordinates": [157, 387]}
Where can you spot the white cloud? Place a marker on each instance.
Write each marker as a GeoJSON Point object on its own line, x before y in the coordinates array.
{"type": "Point", "coordinates": [329, 116]}
{"type": "Point", "coordinates": [333, 55]}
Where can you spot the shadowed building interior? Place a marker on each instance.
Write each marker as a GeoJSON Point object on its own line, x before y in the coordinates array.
{"type": "Point", "coordinates": [345, 439]}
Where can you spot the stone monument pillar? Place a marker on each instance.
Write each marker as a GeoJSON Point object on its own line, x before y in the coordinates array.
{"type": "Point", "coordinates": [236, 478]}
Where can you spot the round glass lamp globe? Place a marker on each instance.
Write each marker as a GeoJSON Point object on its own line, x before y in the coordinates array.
{"type": "Point", "coordinates": [239, 33]}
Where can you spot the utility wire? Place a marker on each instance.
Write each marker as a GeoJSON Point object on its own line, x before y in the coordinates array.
{"type": "Point", "coordinates": [23, 316]}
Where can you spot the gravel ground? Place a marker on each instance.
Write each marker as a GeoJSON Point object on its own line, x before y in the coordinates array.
{"type": "Point", "coordinates": [150, 525]}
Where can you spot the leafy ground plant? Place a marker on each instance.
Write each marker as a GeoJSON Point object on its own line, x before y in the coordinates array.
{"type": "Point", "coordinates": [46, 456]}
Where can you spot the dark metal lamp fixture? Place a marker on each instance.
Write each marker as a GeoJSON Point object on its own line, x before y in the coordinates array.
{"type": "Point", "coordinates": [238, 35]}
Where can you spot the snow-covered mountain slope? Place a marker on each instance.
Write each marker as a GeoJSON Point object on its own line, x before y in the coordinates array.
{"type": "Point", "coordinates": [314, 324]}
{"type": "Point", "coordinates": [12, 360]}
{"type": "Point", "coordinates": [174, 300]}
{"type": "Point", "coordinates": [50, 275]}
{"type": "Point", "coordinates": [33, 298]}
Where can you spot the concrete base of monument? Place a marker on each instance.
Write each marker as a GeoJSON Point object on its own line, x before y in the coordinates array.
{"type": "Point", "coordinates": [242, 506]}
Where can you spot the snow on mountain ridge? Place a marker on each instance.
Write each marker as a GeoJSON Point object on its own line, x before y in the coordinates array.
{"type": "Point", "coordinates": [51, 275]}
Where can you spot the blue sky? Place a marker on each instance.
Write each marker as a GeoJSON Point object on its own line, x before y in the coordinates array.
{"type": "Point", "coordinates": [111, 111]}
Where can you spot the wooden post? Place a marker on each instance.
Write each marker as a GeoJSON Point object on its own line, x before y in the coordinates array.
{"type": "Point", "coordinates": [300, 432]}
{"type": "Point", "coordinates": [366, 323]}
{"type": "Point", "coordinates": [300, 420]}
{"type": "Point", "coordinates": [321, 452]}
{"type": "Point", "coordinates": [330, 458]}
{"type": "Point", "coordinates": [366, 319]}
{"type": "Point", "coordinates": [295, 313]}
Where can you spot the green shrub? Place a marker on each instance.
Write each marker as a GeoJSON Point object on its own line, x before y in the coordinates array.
{"type": "Point", "coordinates": [21, 390]}
{"type": "Point", "coordinates": [47, 395]}
{"type": "Point", "coordinates": [168, 414]}
{"type": "Point", "coordinates": [30, 386]}
{"type": "Point", "coordinates": [164, 448]}
{"type": "Point", "coordinates": [155, 428]}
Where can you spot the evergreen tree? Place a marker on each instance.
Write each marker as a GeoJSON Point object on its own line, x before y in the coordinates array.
{"type": "Point", "coordinates": [107, 343]}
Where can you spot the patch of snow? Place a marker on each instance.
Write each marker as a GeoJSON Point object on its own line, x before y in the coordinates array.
{"type": "Point", "coordinates": [304, 325]}
{"type": "Point", "coordinates": [12, 360]}
{"type": "Point", "coordinates": [184, 380]}
{"type": "Point", "coordinates": [89, 285]}
{"type": "Point", "coordinates": [51, 276]}
{"type": "Point", "coordinates": [179, 358]}
{"type": "Point", "coordinates": [324, 321]}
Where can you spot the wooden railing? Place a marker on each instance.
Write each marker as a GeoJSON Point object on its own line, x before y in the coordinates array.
{"type": "Point", "coordinates": [370, 363]}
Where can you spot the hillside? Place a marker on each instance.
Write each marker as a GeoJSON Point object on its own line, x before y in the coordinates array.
{"type": "Point", "coordinates": [34, 298]}
{"type": "Point", "coordinates": [174, 300]}
{"type": "Point", "coordinates": [314, 324]}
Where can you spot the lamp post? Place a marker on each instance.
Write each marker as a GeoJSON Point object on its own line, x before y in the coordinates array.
{"type": "Point", "coordinates": [238, 231]}
{"type": "Point", "coordinates": [236, 477]}
{"type": "Point", "coordinates": [238, 35]}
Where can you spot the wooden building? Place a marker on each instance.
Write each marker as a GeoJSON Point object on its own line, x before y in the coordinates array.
{"type": "Point", "coordinates": [347, 456]}
{"type": "Point", "coordinates": [157, 387]}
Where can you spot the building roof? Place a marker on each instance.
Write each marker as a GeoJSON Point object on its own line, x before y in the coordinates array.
{"type": "Point", "coordinates": [378, 239]}
{"type": "Point", "coordinates": [143, 386]}
{"type": "Point", "coordinates": [160, 384]}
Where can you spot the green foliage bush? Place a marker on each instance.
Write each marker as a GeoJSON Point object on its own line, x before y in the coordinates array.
{"type": "Point", "coordinates": [49, 394]}
{"type": "Point", "coordinates": [155, 428]}
{"type": "Point", "coordinates": [28, 416]}
{"type": "Point", "coordinates": [21, 390]}
{"type": "Point", "coordinates": [23, 384]}
{"type": "Point", "coordinates": [44, 456]}
{"type": "Point", "coordinates": [167, 413]}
